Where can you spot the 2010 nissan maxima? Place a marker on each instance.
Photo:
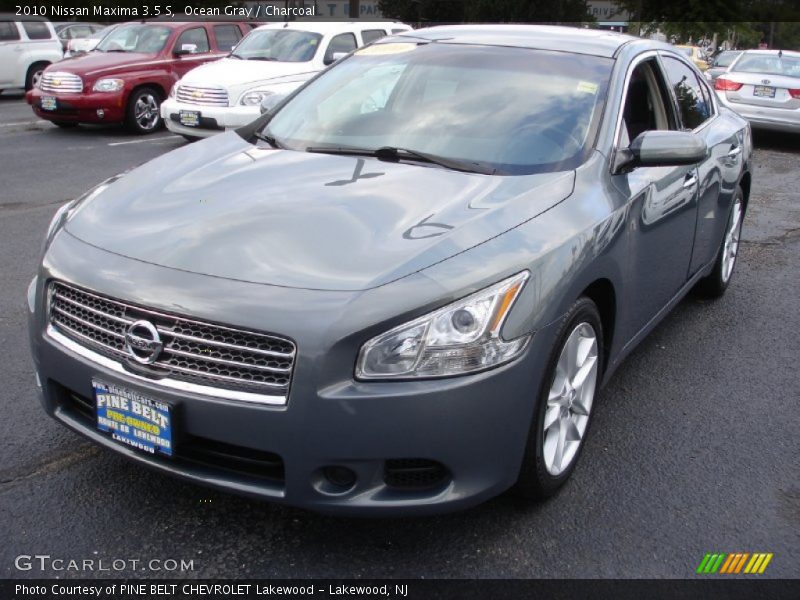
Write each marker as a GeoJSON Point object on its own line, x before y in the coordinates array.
{"type": "Point", "coordinates": [400, 290]}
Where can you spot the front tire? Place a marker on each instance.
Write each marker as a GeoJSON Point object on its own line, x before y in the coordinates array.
{"type": "Point", "coordinates": [564, 404]}
{"type": "Point", "coordinates": [143, 114]}
{"type": "Point", "coordinates": [716, 282]}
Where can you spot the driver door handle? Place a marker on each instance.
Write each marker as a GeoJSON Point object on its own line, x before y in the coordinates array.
{"type": "Point", "coordinates": [690, 180]}
{"type": "Point", "coordinates": [735, 151]}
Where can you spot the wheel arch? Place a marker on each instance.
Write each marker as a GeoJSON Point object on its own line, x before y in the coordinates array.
{"type": "Point", "coordinates": [147, 84]}
{"type": "Point", "coordinates": [745, 183]}
{"type": "Point", "coordinates": [602, 292]}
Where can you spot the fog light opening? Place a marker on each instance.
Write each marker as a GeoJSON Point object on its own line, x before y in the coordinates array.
{"type": "Point", "coordinates": [341, 477]}
{"type": "Point", "coordinates": [101, 114]}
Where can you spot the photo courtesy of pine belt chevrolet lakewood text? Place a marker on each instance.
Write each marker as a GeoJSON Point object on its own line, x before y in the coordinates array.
{"type": "Point", "coordinates": [399, 290]}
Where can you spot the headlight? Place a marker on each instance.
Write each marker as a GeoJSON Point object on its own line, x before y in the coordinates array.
{"type": "Point", "coordinates": [463, 337]}
{"type": "Point", "coordinates": [254, 97]}
{"type": "Point", "coordinates": [108, 85]}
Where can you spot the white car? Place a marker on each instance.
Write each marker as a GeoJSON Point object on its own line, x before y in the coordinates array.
{"type": "Point", "coordinates": [78, 46]}
{"type": "Point", "coordinates": [273, 59]}
{"type": "Point", "coordinates": [26, 48]}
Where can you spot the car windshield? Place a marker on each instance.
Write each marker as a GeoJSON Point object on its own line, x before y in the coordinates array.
{"type": "Point", "coordinates": [101, 33]}
{"type": "Point", "coordinates": [725, 59]}
{"type": "Point", "coordinates": [285, 45]}
{"type": "Point", "coordinates": [146, 38]}
{"type": "Point", "coordinates": [769, 64]}
{"type": "Point", "coordinates": [516, 110]}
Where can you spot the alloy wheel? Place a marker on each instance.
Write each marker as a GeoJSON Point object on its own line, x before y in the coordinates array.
{"type": "Point", "coordinates": [570, 399]}
{"type": "Point", "coordinates": [731, 246]}
{"type": "Point", "coordinates": [145, 111]}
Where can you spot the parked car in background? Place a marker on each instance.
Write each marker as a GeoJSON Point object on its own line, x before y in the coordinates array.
{"type": "Point", "coordinates": [695, 54]}
{"type": "Point", "coordinates": [273, 59]}
{"type": "Point", "coordinates": [130, 73]}
{"type": "Point", "coordinates": [26, 49]}
{"type": "Point", "coordinates": [75, 31]}
{"type": "Point", "coordinates": [720, 63]}
{"type": "Point", "coordinates": [400, 291]}
{"type": "Point", "coordinates": [763, 86]}
{"type": "Point", "coordinates": [80, 46]}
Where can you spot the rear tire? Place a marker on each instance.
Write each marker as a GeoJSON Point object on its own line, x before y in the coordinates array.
{"type": "Point", "coordinates": [34, 74]}
{"type": "Point", "coordinates": [716, 282]}
{"type": "Point", "coordinates": [564, 405]}
{"type": "Point", "coordinates": [143, 114]}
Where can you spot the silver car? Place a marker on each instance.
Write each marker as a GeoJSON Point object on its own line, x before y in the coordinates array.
{"type": "Point", "coordinates": [399, 290]}
{"type": "Point", "coordinates": [763, 86]}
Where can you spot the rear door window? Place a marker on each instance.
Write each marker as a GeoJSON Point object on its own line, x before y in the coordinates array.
{"type": "Point", "coordinates": [342, 43]}
{"type": "Point", "coordinates": [227, 36]}
{"type": "Point", "coordinates": [195, 40]}
{"type": "Point", "coordinates": [370, 35]}
{"type": "Point", "coordinates": [8, 31]}
{"type": "Point", "coordinates": [37, 30]}
{"type": "Point", "coordinates": [694, 106]}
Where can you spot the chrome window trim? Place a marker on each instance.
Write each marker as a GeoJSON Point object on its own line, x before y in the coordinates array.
{"type": "Point", "coordinates": [170, 384]}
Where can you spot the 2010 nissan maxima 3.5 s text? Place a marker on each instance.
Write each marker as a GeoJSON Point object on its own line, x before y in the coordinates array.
{"type": "Point", "coordinates": [400, 290]}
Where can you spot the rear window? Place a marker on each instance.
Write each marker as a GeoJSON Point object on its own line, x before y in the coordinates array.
{"type": "Point", "coordinates": [370, 35]}
{"type": "Point", "coordinates": [8, 31]}
{"type": "Point", "coordinates": [37, 30]}
{"type": "Point", "coordinates": [725, 59]}
{"type": "Point", "coordinates": [770, 64]}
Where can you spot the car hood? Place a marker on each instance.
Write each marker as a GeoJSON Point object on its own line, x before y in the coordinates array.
{"type": "Point", "coordinates": [225, 208]}
{"type": "Point", "coordinates": [97, 63]}
{"type": "Point", "coordinates": [232, 72]}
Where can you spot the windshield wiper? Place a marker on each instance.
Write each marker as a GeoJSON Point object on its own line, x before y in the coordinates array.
{"type": "Point", "coordinates": [392, 154]}
{"type": "Point", "coordinates": [115, 50]}
{"type": "Point", "coordinates": [270, 139]}
{"type": "Point", "coordinates": [261, 58]}
{"type": "Point", "coordinates": [232, 55]}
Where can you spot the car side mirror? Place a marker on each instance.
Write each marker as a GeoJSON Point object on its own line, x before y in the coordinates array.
{"type": "Point", "coordinates": [661, 149]}
{"type": "Point", "coordinates": [271, 101]}
{"type": "Point", "coordinates": [334, 57]}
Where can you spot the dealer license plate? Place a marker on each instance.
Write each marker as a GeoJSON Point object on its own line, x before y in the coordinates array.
{"type": "Point", "coordinates": [764, 91]}
{"type": "Point", "coordinates": [133, 419]}
{"type": "Point", "coordinates": [49, 103]}
{"type": "Point", "coordinates": [190, 118]}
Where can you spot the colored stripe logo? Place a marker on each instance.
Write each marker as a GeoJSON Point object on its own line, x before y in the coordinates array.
{"type": "Point", "coordinates": [734, 563]}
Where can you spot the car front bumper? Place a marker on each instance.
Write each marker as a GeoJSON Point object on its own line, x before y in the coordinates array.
{"type": "Point", "coordinates": [80, 108]}
{"type": "Point", "coordinates": [764, 117]}
{"type": "Point", "coordinates": [213, 119]}
{"type": "Point", "coordinates": [475, 426]}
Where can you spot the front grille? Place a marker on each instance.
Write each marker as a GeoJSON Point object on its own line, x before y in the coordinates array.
{"type": "Point", "coordinates": [59, 82]}
{"type": "Point", "coordinates": [197, 352]}
{"type": "Point", "coordinates": [208, 96]}
{"type": "Point", "coordinates": [414, 473]}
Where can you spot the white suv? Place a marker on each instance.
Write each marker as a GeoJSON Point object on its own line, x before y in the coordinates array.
{"type": "Point", "coordinates": [272, 59]}
{"type": "Point", "coordinates": [26, 48]}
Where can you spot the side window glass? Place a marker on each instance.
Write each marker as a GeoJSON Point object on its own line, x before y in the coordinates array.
{"type": "Point", "coordinates": [370, 35]}
{"type": "Point", "coordinates": [195, 40]}
{"type": "Point", "coordinates": [8, 31]}
{"type": "Point", "coordinates": [694, 107]}
{"type": "Point", "coordinates": [342, 43]}
{"type": "Point", "coordinates": [646, 107]}
{"type": "Point", "coordinates": [36, 30]}
{"type": "Point", "coordinates": [227, 36]}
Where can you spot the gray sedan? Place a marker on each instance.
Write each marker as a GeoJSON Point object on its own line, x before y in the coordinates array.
{"type": "Point", "coordinates": [763, 86]}
{"type": "Point", "coordinates": [399, 290]}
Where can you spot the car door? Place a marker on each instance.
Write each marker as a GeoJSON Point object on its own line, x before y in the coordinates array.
{"type": "Point", "coordinates": [662, 201]}
{"type": "Point", "coordinates": [10, 48]}
{"type": "Point", "coordinates": [718, 175]}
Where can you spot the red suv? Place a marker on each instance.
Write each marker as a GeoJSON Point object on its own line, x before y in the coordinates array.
{"type": "Point", "coordinates": [130, 72]}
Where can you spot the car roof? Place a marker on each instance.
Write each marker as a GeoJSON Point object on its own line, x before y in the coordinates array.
{"type": "Point", "coordinates": [596, 42]}
{"type": "Point", "coordinates": [328, 27]}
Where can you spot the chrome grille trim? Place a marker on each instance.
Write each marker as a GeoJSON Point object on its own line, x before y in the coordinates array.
{"type": "Point", "coordinates": [219, 360]}
{"type": "Point", "coordinates": [59, 82]}
{"type": "Point", "coordinates": [202, 96]}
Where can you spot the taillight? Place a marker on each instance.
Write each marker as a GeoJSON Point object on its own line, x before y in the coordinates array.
{"type": "Point", "coordinates": [795, 93]}
{"type": "Point", "coordinates": [726, 85]}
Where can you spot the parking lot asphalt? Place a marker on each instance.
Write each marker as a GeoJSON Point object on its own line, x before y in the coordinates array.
{"type": "Point", "coordinates": [694, 446]}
